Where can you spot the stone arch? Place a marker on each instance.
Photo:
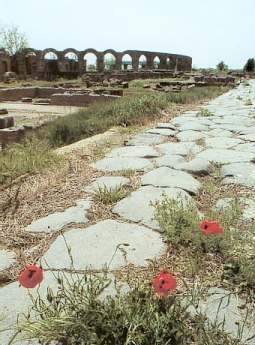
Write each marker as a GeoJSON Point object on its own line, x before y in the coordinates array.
{"type": "Point", "coordinates": [90, 62]}
{"type": "Point", "coordinates": [69, 55]}
{"type": "Point", "coordinates": [156, 62]}
{"type": "Point", "coordinates": [126, 62]}
{"type": "Point", "coordinates": [70, 50]}
{"type": "Point", "coordinates": [109, 60]}
{"type": "Point", "coordinates": [50, 52]}
{"type": "Point", "coordinates": [111, 51]}
{"type": "Point", "coordinates": [142, 61]}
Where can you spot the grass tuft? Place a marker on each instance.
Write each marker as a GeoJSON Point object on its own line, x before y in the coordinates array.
{"type": "Point", "coordinates": [110, 196]}
{"type": "Point", "coordinates": [28, 157]}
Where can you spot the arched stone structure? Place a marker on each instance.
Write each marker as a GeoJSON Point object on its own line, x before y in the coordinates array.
{"type": "Point", "coordinates": [168, 62]}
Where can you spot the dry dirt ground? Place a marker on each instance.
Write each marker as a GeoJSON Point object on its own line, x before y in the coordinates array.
{"type": "Point", "coordinates": [33, 114]}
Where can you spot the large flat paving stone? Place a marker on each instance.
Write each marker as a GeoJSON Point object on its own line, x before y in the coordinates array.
{"type": "Point", "coordinates": [239, 173]}
{"type": "Point", "coordinates": [248, 137]}
{"type": "Point", "coordinates": [94, 246]}
{"type": "Point", "coordinates": [222, 143]}
{"type": "Point", "coordinates": [122, 163]}
{"type": "Point", "coordinates": [248, 147]}
{"type": "Point", "coordinates": [223, 307]}
{"type": "Point", "coordinates": [182, 120]}
{"type": "Point", "coordinates": [134, 151]}
{"type": "Point", "coordinates": [194, 126]}
{"type": "Point", "coordinates": [196, 166]}
{"type": "Point", "coordinates": [190, 135]}
{"type": "Point", "coordinates": [229, 127]}
{"type": "Point", "coordinates": [169, 161]}
{"type": "Point", "coordinates": [138, 207]}
{"type": "Point", "coordinates": [167, 177]}
{"type": "Point", "coordinates": [162, 131]}
{"type": "Point", "coordinates": [109, 182]}
{"type": "Point", "coordinates": [220, 133]}
{"type": "Point", "coordinates": [146, 139]}
{"type": "Point", "coordinates": [57, 220]}
{"type": "Point", "coordinates": [183, 148]}
{"type": "Point", "coordinates": [222, 156]}
{"type": "Point", "coordinates": [7, 258]}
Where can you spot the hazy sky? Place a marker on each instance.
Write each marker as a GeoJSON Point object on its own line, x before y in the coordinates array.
{"type": "Point", "coordinates": [207, 30]}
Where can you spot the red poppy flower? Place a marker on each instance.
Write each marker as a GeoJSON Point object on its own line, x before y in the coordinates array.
{"type": "Point", "coordinates": [31, 276]}
{"type": "Point", "coordinates": [164, 283]}
{"type": "Point", "coordinates": [211, 228]}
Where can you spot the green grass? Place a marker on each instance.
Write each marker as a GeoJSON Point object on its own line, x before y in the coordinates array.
{"type": "Point", "coordinates": [28, 157]}
{"type": "Point", "coordinates": [127, 111]}
{"type": "Point", "coordinates": [34, 154]}
{"type": "Point", "coordinates": [110, 196]}
{"type": "Point", "coordinates": [77, 314]}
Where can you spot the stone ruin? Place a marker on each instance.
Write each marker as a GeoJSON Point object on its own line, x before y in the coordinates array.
{"type": "Point", "coordinates": [48, 64]}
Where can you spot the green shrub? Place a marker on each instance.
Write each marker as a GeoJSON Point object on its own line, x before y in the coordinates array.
{"type": "Point", "coordinates": [179, 221]}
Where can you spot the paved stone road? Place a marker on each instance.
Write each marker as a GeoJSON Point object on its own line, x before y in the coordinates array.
{"type": "Point", "coordinates": [170, 166]}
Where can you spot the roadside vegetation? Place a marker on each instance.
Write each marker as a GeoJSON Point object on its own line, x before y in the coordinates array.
{"type": "Point", "coordinates": [95, 119]}
{"type": "Point", "coordinates": [80, 313]}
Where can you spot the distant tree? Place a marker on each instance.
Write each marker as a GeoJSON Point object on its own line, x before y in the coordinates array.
{"type": "Point", "coordinates": [222, 66]}
{"type": "Point", "coordinates": [12, 40]}
{"type": "Point", "coordinates": [250, 65]}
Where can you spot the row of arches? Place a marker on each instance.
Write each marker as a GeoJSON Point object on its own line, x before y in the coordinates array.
{"type": "Point", "coordinates": [72, 63]}
{"type": "Point", "coordinates": [109, 60]}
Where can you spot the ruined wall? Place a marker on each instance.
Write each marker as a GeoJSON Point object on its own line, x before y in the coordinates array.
{"type": "Point", "coordinates": [5, 63]}
{"type": "Point", "coordinates": [50, 63]}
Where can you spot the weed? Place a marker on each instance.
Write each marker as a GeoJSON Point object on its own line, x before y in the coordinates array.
{"type": "Point", "coordinates": [248, 102]}
{"type": "Point", "coordinates": [205, 112]}
{"type": "Point", "coordinates": [28, 157]}
{"type": "Point", "coordinates": [210, 186]}
{"type": "Point", "coordinates": [79, 314]}
{"type": "Point", "coordinates": [128, 173]}
{"type": "Point", "coordinates": [201, 142]}
{"type": "Point", "coordinates": [179, 221]}
{"type": "Point", "coordinates": [110, 196]}
{"type": "Point", "coordinates": [215, 170]}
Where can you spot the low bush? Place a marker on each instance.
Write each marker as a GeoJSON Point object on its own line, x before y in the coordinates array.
{"type": "Point", "coordinates": [78, 314]}
{"type": "Point", "coordinates": [179, 221]}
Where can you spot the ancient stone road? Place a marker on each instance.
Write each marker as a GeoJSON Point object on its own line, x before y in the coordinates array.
{"type": "Point", "coordinates": [226, 137]}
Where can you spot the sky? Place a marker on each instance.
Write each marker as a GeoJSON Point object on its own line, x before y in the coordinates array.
{"type": "Point", "coordinates": [207, 30]}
